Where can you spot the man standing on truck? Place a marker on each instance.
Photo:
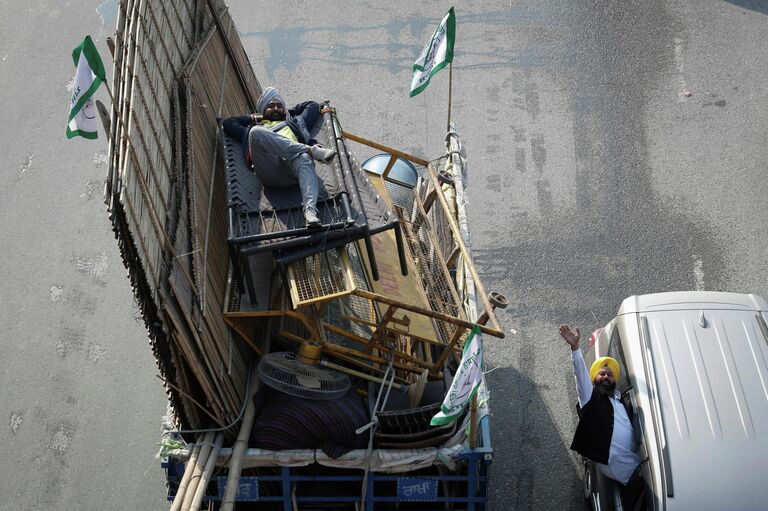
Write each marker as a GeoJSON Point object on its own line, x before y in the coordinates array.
{"type": "Point", "coordinates": [279, 147]}
{"type": "Point", "coordinates": [605, 434]}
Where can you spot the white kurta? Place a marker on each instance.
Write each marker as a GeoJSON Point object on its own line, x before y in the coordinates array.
{"type": "Point", "coordinates": [622, 456]}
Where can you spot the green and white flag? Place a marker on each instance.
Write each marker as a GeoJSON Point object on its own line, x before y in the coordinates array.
{"type": "Point", "coordinates": [90, 74]}
{"type": "Point", "coordinates": [436, 54]}
{"type": "Point", "coordinates": [465, 383]}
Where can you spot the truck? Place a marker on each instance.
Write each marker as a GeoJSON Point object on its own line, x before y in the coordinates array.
{"type": "Point", "coordinates": [304, 367]}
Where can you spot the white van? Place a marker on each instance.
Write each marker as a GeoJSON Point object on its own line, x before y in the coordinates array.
{"type": "Point", "coordinates": [695, 370]}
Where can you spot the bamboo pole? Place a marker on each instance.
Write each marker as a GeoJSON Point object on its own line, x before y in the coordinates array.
{"type": "Point", "coordinates": [388, 168]}
{"type": "Point", "coordinates": [156, 223]}
{"type": "Point", "coordinates": [497, 331]}
{"type": "Point", "coordinates": [113, 145]}
{"type": "Point", "coordinates": [230, 52]}
{"type": "Point", "coordinates": [382, 147]}
{"type": "Point", "coordinates": [187, 475]}
{"type": "Point", "coordinates": [205, 478]}
{"type": "Point", "coordinates": [128, 51]}
{"type": "Point", "coordinates": [202, 458]}
{"type": "Point", "coordinates": [358, 374]}
{"type": "Point", "coordinates": [473, 422]}
{"type": "Point", "coordinates": [240, 446]}
{"type": "Point", "coordinates": [458, 250]}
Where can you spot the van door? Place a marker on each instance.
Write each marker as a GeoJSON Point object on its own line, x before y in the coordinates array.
{"type": "Point", "coordinates": [626, 385]}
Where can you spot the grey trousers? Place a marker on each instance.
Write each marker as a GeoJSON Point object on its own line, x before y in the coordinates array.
{"type": "Point", "coordinates": [279, 162]}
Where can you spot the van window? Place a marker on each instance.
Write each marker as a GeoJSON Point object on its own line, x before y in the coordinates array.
{"type": "Point", "coordinates": [616, 351]}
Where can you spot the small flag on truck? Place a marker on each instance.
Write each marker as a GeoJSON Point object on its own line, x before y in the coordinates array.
{"type": "Point", "coordinates": [436, 54]}
{"type": "Point", "coordinates": [90, 74]}
{"type": "Point", "coordinates": [465, 383]}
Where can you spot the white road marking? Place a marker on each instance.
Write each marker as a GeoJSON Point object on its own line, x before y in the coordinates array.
{"type": "Point", "coordinates": [679, 60]}
{"type": "Point", "coordinates": [698, 273]}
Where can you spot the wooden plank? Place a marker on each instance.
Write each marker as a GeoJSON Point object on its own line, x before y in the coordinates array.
{"type": "Point", "coordinates": [386, 149]}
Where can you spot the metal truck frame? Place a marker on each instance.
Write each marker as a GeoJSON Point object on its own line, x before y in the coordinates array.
{"type": "Point", "coordinates": [178, 67]}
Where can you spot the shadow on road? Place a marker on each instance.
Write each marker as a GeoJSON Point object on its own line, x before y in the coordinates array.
{"type": "Point", "coordinates": [532, 467]}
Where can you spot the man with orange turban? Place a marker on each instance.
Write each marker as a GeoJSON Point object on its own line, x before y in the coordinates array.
{"type": "Point", "coordinates": [605, 433]}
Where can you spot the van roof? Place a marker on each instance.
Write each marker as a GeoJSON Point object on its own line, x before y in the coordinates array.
{"type": "Point", "coordinates": [680, 300]}
{"type": "Point", "coordinates": [710, 360]}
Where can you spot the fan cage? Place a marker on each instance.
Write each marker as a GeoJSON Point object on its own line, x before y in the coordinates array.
{"type": "Point", "coordinates": [283, 372]}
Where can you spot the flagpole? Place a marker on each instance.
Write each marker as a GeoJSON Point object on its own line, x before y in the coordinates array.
{"type": "Point", "coordinates": [473, 422]}
{"type": "Point", "coordinates": [450, 87]}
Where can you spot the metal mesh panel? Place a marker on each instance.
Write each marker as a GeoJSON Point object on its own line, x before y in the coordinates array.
{"type": "Point", "coordinates": [320, 276]}
{"type": "Point", "coordinates": [293, 326]}
{"type": "Point", "coordinates": [284, 220]}
{"type": "Point", "coordinates": [433, 274]}
{"type": "Point", "coordinates": [278, 292]}
{"type": "Point", "coordinates": [400, 195]}
{"type": "Point", "coordinates": [439, 218]}
{"type": "Point", "coordinates": [351, 312]}
{"type": "Point", "coordinates": [233, 298]}
{"type": "Point", "coordinates": [361, 307]}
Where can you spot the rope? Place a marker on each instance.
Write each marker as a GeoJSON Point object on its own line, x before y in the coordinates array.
{"type": "Point", "coordinates": [374, 424]}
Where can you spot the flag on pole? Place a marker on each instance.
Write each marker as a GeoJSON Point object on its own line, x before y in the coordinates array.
{"type": "Point", "coordinates": [465, 383]}
{"type": "Point", "coordinates": [89, 75]}
{"type": "Point", "coordinates": [436, 54]}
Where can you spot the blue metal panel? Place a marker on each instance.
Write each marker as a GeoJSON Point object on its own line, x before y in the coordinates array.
{"type": "Point", "coordinates": [287, 504]}
{"type": "Point", "coordinates": [469, 485]}
{"type": "Point", "coordinates": [247, 489]}
{"type": "Point", "coordinates": [412, 489]}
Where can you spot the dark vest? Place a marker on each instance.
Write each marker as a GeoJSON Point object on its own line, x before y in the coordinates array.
{"type": "Point", "coordinates": [595, 429]}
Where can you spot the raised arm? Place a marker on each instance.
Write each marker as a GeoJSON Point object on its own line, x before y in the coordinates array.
{"type": "Point", "coordinates": [580, 371]}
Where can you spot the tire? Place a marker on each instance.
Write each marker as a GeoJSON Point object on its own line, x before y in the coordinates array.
{"type": "Point", "coordinates": [587, 484]}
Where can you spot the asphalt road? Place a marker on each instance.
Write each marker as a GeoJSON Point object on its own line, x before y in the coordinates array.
{"type": "Point", "coordinates": [80, 406]}
{"type": "Point", "coordinates": [593, 176]}
{"type": "Point", "coordinates": [614, 149]}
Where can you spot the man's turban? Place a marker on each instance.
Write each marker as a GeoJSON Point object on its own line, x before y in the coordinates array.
{"type": "Point", "coordinates": [602, 362]}
{"type": "Point", "coordinates": [269, 94]}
